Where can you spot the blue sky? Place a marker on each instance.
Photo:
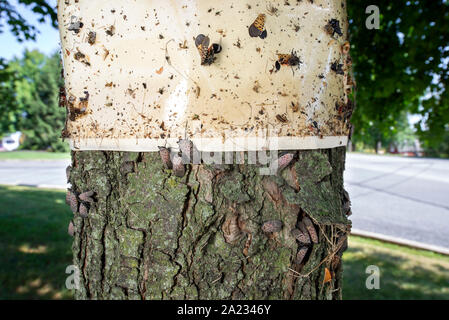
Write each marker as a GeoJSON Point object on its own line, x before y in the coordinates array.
{"type": "Point", "coordinates": [46, 41]}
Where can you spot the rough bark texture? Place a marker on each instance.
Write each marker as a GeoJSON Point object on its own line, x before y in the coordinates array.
{"type": "Point", "coordinates": [151, 235]}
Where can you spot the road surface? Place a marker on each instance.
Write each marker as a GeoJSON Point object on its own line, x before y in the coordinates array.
{"type": "Point", "coordinates": [43, 173]}
{"type": "Point", "coordinates": [402, 197]}
{"type": "Point", "coordinates": [406, 198]}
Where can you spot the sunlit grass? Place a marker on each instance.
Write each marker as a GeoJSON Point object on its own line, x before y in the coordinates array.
{"type": "Point", "coordinates": [33, 155]}
{"type": "Point", "coordinates": [404, 273]}
{"type": "Point", "coordinates": [35, 251]}
{"type": "Point", "coordinates": [35, 248]}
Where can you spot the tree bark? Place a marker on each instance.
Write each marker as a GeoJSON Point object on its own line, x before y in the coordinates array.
{"type": "Point", "coordinates": [145, 233]}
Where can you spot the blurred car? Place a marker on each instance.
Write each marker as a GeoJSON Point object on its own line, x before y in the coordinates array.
{"type": "Point", "coordinates": [11, 142]}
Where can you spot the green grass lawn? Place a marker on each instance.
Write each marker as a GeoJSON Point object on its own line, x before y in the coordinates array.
{"type": "Point", "coordinates": [35, 248]}
{"type": "Point", "coordinates": [35, 251]}
{"type": "Point", "coordinates": [404, 273]}
{"type": "Point", "coordinates": [33, 155]}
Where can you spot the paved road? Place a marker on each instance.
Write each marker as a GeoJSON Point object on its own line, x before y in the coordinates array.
{"type": "Point", "coordinates": [401, 197]}
{"type": "Point", "coordinates": [45, 173]}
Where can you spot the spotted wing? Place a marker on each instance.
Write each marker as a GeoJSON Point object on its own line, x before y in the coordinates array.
{"type": "Point", "coordinates": [257, 28]}
{"type": "Point", "coordinates": [202, 43]}
{"type": "Point", "coordinates": [283, 58]}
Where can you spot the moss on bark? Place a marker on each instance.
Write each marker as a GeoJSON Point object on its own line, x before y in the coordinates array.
{"type": "Point", "coordinates": [152, 235]}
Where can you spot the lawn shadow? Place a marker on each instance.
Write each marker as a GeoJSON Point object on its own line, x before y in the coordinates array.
{"type": "Point", "coordinates": [35, 246]}
{"type": "Point", "coordinates": [400, 278]}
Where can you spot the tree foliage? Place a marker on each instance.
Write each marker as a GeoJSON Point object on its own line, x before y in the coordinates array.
{"type": "Point", "coordinates": [13, 20]}
{"type": "Point", "coordinates": [22, 29]}
{"type": "Point", "coordinates": [397, 65]}
{"type": "Point", "coordinates": [401, 68]}
{"type": "Point", "coordinates": [32, 101]}
{"type": "Point", "coordinates": [29, 86]}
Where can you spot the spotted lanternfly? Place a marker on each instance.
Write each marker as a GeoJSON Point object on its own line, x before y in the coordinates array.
{"type": "Point", "coordinates": [231, 230]}
{"type": "Point", "coordinates": [86, 96]}
{"type": "Point", "coordinates": [302, 237]}
{"type": "Point", "coordinates": [72, 201]}
{"type": "Point", "coordinates": [301, 254]}
{"type": "Point", "coordinates": [165, 157]}
{"type": "Point", "coordinates": [207, 53]}
{"type": "Point", "coordinates": [71, 229]}
{"type": "Point", "coordinates": [178, 167]}
{"type": "Point", "coordinates": [84, 210]}
{"type": "Point", "coordinates": [257, 28]}
{"type": "Point", "coordinates": [62, 97]}
{"type": "Point", "coordinates": [295, 106]}
{"type": "Point", "coordinates": [337, 68]}
{"type": "Point", "coordinates": [284, 160]}
{"type": "Point", "coordinates": [333, 27]}
{"type": "Point", "coordinates": [272, 226]}
{"type": "Point", "coordinates": [75, 26]}
{"type": "Point", "coordinates": [311, 229]}
{"type": "Point", "coordinates": [186, 148]}
{"type": "Point", "coordinates": [346, 203]}
{"type": "Point", "coordinates": [346, 195]}
{"type": "Point", "coordinates": [347, 208]}
{"type": "Point", "coordinates": [189, 152]}
{"type": "Point", "coordinates": [291, 60]}
{"type": "Point", "coordinates": [81, 57]}
{"type": "Point", "coordinates": [342, 244]}
{"type": "Point", "coordinates": [68, 171]}
{"type": "Point", "coordinates": [87, 196]}
{"type": "Point", "coordinates": [281, 118]}
{"type": "Point", "coordinates": [91, 38]}
{"type": "Point", "coordinates": [247, 244]}
{"type": "Point", "coordinates": [303, 229]}
{"type": "Point", "coordinates": [110, 31]}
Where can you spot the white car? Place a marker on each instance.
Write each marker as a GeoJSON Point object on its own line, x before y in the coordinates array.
{"type": "Point", "coordinates": [11, 142]}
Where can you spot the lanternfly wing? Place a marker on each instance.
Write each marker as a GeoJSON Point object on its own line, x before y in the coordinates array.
{"type": "Point", "coordinates": [283, 58]}
{"type": "Point", "coordinates": [257, 29]}
{"type": "Point", "coordinates": [202, 43]}
{"type": "Point", "coordinates": [253, 31]}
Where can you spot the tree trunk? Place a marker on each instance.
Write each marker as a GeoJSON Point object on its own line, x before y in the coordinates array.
{"type": "Point", "coordinates": [141, 231]}
{"type": "Point", "coordinates": [145, 233]}
{"type": "Point", "coordinates": [378, 146]}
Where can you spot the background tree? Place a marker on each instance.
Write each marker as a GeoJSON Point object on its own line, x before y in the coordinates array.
{"type": "Point", "coordinates": [396, 65]}
{"type": "Point", "coordinates": [8, 109]}
{"type": "Point", "coordinates": [29, 86]}
{"type": "Point", "coordinates": [35, 111]}
{"type": "Point", "coordinates": [17, 24]}
{"type": "Point", "coordinates": [22, 29]}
